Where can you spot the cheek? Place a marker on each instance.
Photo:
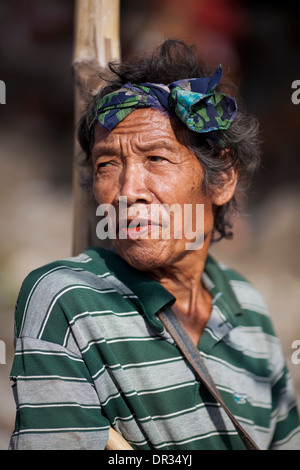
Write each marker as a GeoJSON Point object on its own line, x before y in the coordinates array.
{"type": "Point", "coordinates": [180, 187]}
{"type": "Point", "coordinates": [97, 193]}
{"type": "Point", "coordinates": [103, 191]}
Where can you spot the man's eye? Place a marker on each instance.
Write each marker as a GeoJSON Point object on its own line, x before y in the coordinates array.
{"type": "Point", "coordinates": [156, 158]}
{"type": "Point", "coordinates": [102, 165]}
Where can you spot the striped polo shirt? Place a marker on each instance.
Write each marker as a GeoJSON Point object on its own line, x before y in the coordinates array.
{"type": "Point", "coordinates": [91, 353]}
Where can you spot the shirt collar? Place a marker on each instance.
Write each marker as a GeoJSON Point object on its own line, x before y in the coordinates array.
{"type": "Point", "coordinates": [152, 296]}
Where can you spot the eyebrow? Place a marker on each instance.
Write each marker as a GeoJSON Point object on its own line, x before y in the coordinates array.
{"type": "Point", "coordinates": [111, 148]}
{"type": "Point", "coordinates": [105, 150]}
{"type": "Point", "coordinates": [165, 143]}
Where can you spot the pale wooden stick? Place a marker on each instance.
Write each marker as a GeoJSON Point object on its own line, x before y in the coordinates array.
{"type": "Point", "coordinates": [116, 441]}
{"type": "Point", "coordinates": [96, 43]}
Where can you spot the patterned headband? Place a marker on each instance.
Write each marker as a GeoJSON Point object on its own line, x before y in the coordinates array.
{"type": "Point", "coordinates": [194, 101]}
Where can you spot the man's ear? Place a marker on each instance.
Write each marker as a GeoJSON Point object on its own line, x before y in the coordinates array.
{"type": "Point", "coordinates": [227, 187]}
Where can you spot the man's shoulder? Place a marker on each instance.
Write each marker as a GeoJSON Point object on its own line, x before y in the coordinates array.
{"type": "Point", "coordinates": [248, 299]}
{"type": "Point", "coordinates": [91, 261]}
{"type": "Point", "coordinates": [246, 292]}
{"type": "Point", "coordinates": [252, 314]}
{"type": "Point", "coordinates": [43, 288]}
{"type": "Point", "coordinates": [66, 268]}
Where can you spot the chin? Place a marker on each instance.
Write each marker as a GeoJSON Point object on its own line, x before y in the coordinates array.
{"type": "Point", "coordinates": [143, 256]}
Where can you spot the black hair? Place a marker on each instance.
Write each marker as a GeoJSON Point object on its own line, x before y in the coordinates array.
{"type": "Point", "coordinates": [175, 60]}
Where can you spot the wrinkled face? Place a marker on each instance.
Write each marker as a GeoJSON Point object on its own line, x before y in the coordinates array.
{"type": "Point", "coordinates": [142, 162]}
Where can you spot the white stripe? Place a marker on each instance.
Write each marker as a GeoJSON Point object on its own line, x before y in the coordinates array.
{"type": "Point", "coordinates": [49, 285]}
{"type": "Point", "coordinates": [95, 313]}
{"type": "Point", "coordinates": [249, 297]}
{"type": "Point", "coordinates": [133, 338]}
{"type": "Point", "coordinates": [117, 395]}
{"type": "Point", "coordinates": [165, 389]}
{"type": "Point", "coordinates": [253, 342]}
{"type": "Point", "coordinates": [100, 312]}
{"type": "Point", "coordinates": [38, 280]}
{"type": "Point", "coordinates": [249, 399]}
{"type": "Point", "coordinates": [290, 436]}
{"type": "Point", "coordinates": [196, 438]}
{"type": "Point", "coordinates": [50, 430]}
{"type": "Point", "coordinates": [81, 258]}
{"type": "Point", "coordinates": [257, 388]}
{"type": "Point", "coordinates": [149, 363]}
{"type": "Point", "coordinates": [238, 370]}
{"type": "Point", "coordinates": [50, 377]}
{"type": "Point", "coordinates": [96, 341]}
{"type": "Point", "coordinates": [62, 293]}
{"type": "Point", "coordinates": [139, 393]}
{"type": "Point", "coordinates": [104, 368]}
{"type": "Point", "coordinates": [158, 417]}
{"type": "Point", "coordinates": [48, 353]}
{"type": "Point", "coordinates": [187, 410]}
{"type": "Point", "coordinates": [60, 405]}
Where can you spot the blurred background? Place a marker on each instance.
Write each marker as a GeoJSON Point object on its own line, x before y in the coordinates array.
{"type": "Point", "coordinates": [258, 46]}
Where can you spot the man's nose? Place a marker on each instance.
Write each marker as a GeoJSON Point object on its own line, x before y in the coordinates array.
{"type": "Point", "coordinates": [133, 185]}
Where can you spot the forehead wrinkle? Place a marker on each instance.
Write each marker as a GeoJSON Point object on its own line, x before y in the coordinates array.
{"type": "Point", "coordinates": [105, 143]}
{"type": "Point", "coordinates": [157, 143]}
{"type": "Point", "coordinates": [150, 131]}
{"type": "Point", "coordinates": [139, 141]}
{"type": "Point", "coordinates": [115, 145]}
{"type": "Point", "coordinates": [102, 149]}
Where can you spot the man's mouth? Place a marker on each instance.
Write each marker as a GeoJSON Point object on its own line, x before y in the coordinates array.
{"type": "Point", "coordinates": [136, 228]}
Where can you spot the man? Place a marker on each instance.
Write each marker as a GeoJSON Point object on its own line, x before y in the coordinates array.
{"type": "Point", "coordinates": [91, 349]}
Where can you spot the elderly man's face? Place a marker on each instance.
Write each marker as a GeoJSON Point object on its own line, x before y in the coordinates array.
{"type": "Point", "coordinates": [143, 160]}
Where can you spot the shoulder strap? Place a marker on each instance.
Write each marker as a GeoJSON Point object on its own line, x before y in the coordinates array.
{"type": "Point", "coordinates": [192, 354]}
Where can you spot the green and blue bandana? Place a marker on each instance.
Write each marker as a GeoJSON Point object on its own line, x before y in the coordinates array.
{"type": "Point", "coordinates": [194, 101]}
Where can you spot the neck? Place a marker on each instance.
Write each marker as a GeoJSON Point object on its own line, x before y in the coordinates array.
{"type": "Point", "coordinates": [183, 276]}
{"type": "Point", "coordinates": [183, 280]}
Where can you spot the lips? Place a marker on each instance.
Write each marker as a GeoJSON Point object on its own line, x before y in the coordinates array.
{"type": "Point", "coordinates": [136, 228]}
{"type": "Point", "coordinates": [134, 222]}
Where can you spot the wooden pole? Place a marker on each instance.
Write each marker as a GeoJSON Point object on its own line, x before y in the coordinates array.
{"type": "Point", "coordinates": [116, 441]}
{"type": "Point", "coordinates": [96, 43]}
